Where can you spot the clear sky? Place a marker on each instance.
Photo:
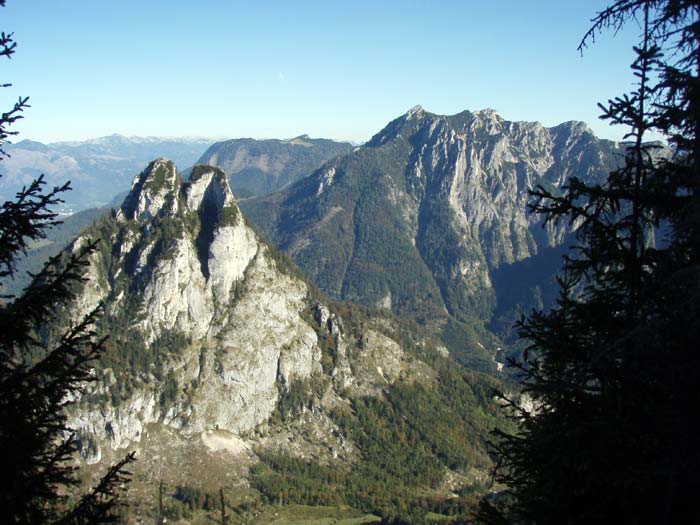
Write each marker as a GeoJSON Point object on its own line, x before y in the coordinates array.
{"type": "Point", "coordinates": [276, 69]}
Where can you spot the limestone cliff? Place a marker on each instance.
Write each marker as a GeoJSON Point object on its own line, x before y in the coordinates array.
{"type": "Point", "coordinates": [418, 219]}
{"type": "Point", "coordinates": [209, 328]}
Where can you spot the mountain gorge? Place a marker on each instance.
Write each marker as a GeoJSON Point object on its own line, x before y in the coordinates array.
{"type": "Point", "coordinates": [419, 218]}
{"type": "Point", "coordinates": [224, 367]}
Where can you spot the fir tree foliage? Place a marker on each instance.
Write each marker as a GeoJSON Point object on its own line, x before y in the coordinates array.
{"type": "Point", "coordinates": [39, 480]}
{"type": "Point", "coordinates": [613, 371]}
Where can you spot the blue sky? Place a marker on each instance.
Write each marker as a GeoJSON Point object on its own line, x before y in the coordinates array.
{"type": "Point", "coordinates": [269, 69]}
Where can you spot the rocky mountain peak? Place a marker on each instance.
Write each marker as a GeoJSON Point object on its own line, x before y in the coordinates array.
{"type": "Point", "coordinates": [488, 113]}
{"type": "Point", "coordinates": [208, 187]}
{"type": "Point", "coordinates": [152, 192]}
{"type": "Point", "coordinates": [485, 122]}
{"type": "Point", "coordinates": [415, 112]}
{"type": "Point", "coordinates": [489, 119]}
{"type": "Point", "coordinates": [572, 130]}
{"type": "Point", "coordinates": [211, 328]}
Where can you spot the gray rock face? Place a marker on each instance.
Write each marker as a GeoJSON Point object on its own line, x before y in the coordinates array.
{"type": "Point", "coordinates": [151, 192]}
{"type": "Point", "coordinates": [418, 218]}
{"type": "Point", "coordinates": [208, 331]}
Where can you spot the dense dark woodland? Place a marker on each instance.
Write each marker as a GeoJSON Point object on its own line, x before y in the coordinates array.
{"type": "Point", "coordinates": [611, 371]}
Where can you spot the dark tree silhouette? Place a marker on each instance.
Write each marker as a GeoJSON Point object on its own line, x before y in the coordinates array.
{"type": "Point", "coordinates": [613, 371]}
{"type": "Point", "coordinates": [38, 382]}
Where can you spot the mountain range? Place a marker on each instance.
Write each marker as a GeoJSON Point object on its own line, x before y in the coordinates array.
{"type": "Point", "coordinates": [230, 364]}
{"type": "Point", "coordinates": [429, 218]}
{"type": "Point", "coordinates": [98, 168]}
{"type": "Point", "coordinates": [101, 169]}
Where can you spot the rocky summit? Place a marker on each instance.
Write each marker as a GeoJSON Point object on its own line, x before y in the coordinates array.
{"type": "Point", "coordinates": [217, 345]}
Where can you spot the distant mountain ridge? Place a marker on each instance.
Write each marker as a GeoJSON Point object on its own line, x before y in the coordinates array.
{"type": "Point", "coordinates": [259, 167]}
{"type": "Point", "coordinates": [98, 168]}
{"type": "Point", "coordinates": [116, 139]}
{"type": "Point", "coordinates": [103, 167]}
{"type": "Point", "coordinates": [419, 218]}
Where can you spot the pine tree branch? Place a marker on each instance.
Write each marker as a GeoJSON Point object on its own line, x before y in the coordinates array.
{"type": "Point", "coordinates": [52, 286]}
{"type": "Point", "coordinates": [98, 505]}
{"type": "Point", "coordinates": [26, 219]}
